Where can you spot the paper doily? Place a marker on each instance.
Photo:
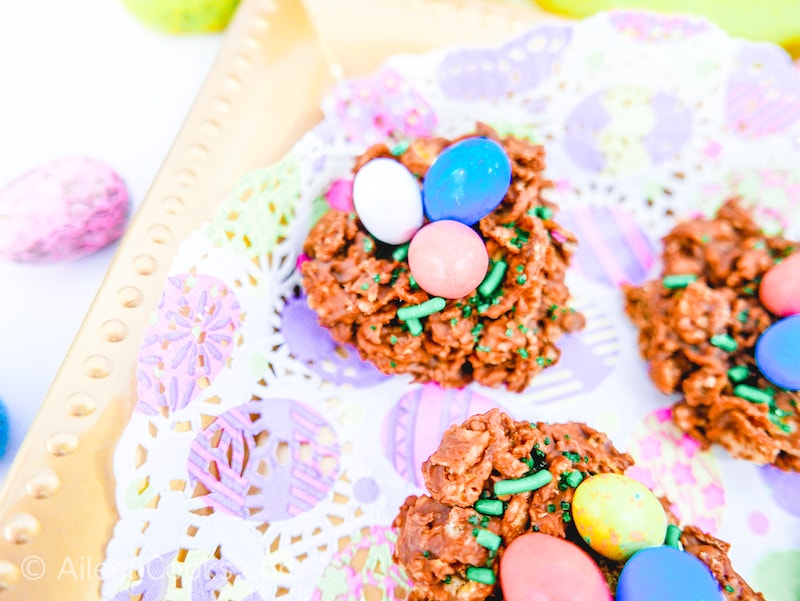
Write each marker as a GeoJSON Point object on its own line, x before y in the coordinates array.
{"type": "Point", "coordinates": [262, 450]}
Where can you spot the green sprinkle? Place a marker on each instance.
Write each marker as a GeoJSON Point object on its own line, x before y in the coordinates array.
{"type": "Point", "coordinates": [365, 286]}
{"type": "Point", "coordinates": [483, 307]}
{"type": "Point", "coordinates": [528, 483]}
{"type": "Point", "coordinates": [393, 339]}
{"type": "Point", "coordinates": [373, 328]}
{"type": "Point", "coordinates": [473, 519]}
{"type": "Point", "coordinates": [586, 459]}
{"type": "Point", "coordinates": [376, 278]}
{"type": "Point", "coordinates": [476, 330]}
{"type": "Point", "coordinates": [400, 148]}
{"type": "Point", "coordinates": [724, 342]}
{"type": "Point", "coordinates": [743, 316]}
{"type": "Point", "coordinates": [483, 349]}
{"type": "Point", "coordinates": [573, 457]}
{"type": "Point", "coordinates": [482, 575]}
{"type": "Point", "coordinates": [351, 216]}
{"type": "Point", "coordinates": [729, 588]}
{"type": "Point", "coordinates": [551, 508]}
{"type": "Point", "coordinates": [751, 393]}
{"type": "Point", "coordinates": [678, 280]}
{"type": "Point", "coordinates": [400, 253]}
{"type": "Point", "coordinates": [448, 580]}
{"type": "Point", "coordinates": [489, 506]}
{"type": "Point", "coordinates": [521, 279]}
{"type": "Point", "coordinates": [509, 332]}
{"type": "Point", "coordinates": [739, 373]}
{"type": "Point", "coordinates": [523, 329]}
{"type": "Point", "coordinates": [492, 281]}
{"type": "Point", "coordinates": [453, 321]}
{"type": "Point", "coordinates": [546, 440]}
{"type": "Point", "coordinates": [474, 532]}
{"type": "Point", "coordinates": [426, 554]}
{"type": "Point", "coordinates": [540, 361]}
{"type": "Point", "coordinates": [759, 245]}
{"type": "Point", "coordinates": [412, 281]}
{"type": "Point", "coordinates": [566, 436]}
{"type": "Point", "coordinates": [673, 536]}
{"type": "Point", "coordinates": [520, 268]}
{"type": "Point", "coordinates": [705, 239]}
{"type": "Point", "coordinates": [467, 311]}
{"type": "Point", "coordinates": [369, 245]}
{"type": "Point", "coordinates": [429, 307]}
{"type": "Point", "coordinates": [565, 517]}
{"type": "Point", "coordinates": [488, 539]}
{"type": "Point", "coordinates": [523, 353]}
{"type": "Point", "coordinates": [573, 479]}
{"type": "Point", "coordinates": [392, 364]}
{"type": "Point", "coordinates": [414, 326]}
{"type": "Point", "coordinates": [748, 290]}
{"type": "Point", "coordinates": [564, 506]}
{"type": "Point", "coordinates": [541, 212]}
{"type": "Point", "coordinates": [535, 528]}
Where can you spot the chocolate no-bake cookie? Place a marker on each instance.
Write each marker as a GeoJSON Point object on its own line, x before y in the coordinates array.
{"type": "Point", "coordinates": [438, 534]}
{"type": "Point", "coordinates": [498, 335]}
{"type": "Point", "coordinates": [698, 326]}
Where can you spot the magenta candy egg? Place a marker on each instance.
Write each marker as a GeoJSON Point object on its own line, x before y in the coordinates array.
{"type": "Point", "coordinates": [448, 259]}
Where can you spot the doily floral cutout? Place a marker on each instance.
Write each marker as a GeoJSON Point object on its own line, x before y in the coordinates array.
{"type": "Point", "coordinates": [649, 27]}
{"type": "Point", "coordinates": [784, 488]}
{"type": "Point", "coordinates": [670, 463]}
{"type": "Point", "coordinates": [265, 461]}
{"type": "Point", "coordinates": [364, 570]}
{"type": "Point", "coordinates": [194, 331]}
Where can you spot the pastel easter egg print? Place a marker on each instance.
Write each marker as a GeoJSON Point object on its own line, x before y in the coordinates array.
{"type": "Point", "coordinates": [201, 577]}
{"type": "Point", "coordinates": [626, 129]}
{"type": "Point", "coordinates": [61, 210]}
{"type": "Point", "coordinates": [671, 464]}
{"type": "Point", "coordinates": [784, 488]}
{"type": "Point", "coordinates": [587, 358]}
{"type": "Point", "coordinates": [779, 287]}
{"type": "Point", "coordinates": [264, 461]}
{"type": "Point", "coordinates": [312, 344]}
{"type": "Point", "coordinates": [467, 181]}
{"type": "Point", "coordinates": [380, 107]}
{"type": "Point", "coordinates": [777, 575]}
{"type": "Point", "coordinates": [666, 574]}
{"type": "Point", "coordinates": [552, 568]}
{"type": "Point", "coordinates": [763, 95]}
{"type": "Point", "coordinates": [778, 353]}
{"type": "Point", "coordinates": [192, 334]}
{"type": "Point", "coordinates": [448, 259]}
{"type": "Point", "coordinates": [653, 27]}
{"type": "Point", "coordinates": [364, 569]}
{"type": "Point", "coordinates": [518, 65]}
{"type": "Point", "coordinates": [413, 429]}
{"type": "Point", "coordinates": [388, 200]}
{"type": "Point", "coordinates": [613, 248]}
{"type": "Point", "coordinates": [618, 516]}
{"type": "Point", "coordinates": [340, 195]}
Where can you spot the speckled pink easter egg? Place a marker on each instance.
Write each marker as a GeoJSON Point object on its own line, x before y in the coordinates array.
{"type": "Point", "coordinates": [672, 464]}
{"type": "Point", "coordinates": [61, 210]}
{"type": "Point", "coordinates": [778, 289]}
{"type": "Point", "coordinates": [413, 429]}
{"type": "Point", "coordinates": [448, 259]}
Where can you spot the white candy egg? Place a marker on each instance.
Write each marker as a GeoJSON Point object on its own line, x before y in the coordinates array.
{"type": "Point", "coordinates": [388, 200]}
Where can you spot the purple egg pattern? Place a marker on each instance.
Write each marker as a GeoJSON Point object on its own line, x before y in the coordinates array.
{"type": "Point", "coordinates": [264, 461]}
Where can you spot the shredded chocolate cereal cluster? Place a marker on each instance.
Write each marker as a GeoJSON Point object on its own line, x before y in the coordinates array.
{"type": "Point", "coordinates": [482, 496]}
{"type": "Point", "coordinates": [501, 334]}
{"type": "Point", "coordinates": [698, 326]}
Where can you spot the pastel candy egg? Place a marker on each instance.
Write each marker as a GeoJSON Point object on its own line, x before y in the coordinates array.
{"type": "Point", "coordinates": [618, 516]}
{"type": "Point", "coordinates": [467, 181]}
{"type": "Point", "coordinates": [666, 574]}
{"type": "Point", "coordinates": [448, 259]}
{"type": "Point", "coordinates": [540, 567]}
{"type": "Point", "coordinates": [778, 353]}
{"type": "Point", "coordinates": [183, 16]}
{"type": "Point", "coordinates": [388, 200]}
{"type": "Point", "coordinates": [61, 210]}
{"type": "Point", "coordinates": [779, 288]}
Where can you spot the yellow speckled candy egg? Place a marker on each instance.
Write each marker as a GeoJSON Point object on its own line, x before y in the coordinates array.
{"type": "Point", "coordinates": [184, 16]}
{"type": "Point", "coordinates": [618, 516]}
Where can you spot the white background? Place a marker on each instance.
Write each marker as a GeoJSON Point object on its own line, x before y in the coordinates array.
{"type": "Point", "coordinates": [78, 77]}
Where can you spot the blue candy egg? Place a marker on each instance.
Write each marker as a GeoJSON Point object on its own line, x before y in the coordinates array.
{"type": "Point", "coordinates": [467, 181]}
{"type": "Point", "coordinates": [666, 574]}
{"type": "Point", "coordinates": [778, 353]}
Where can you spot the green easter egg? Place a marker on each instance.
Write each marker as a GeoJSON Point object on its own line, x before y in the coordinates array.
{"type": "Point", "coordinates": [184, 16]}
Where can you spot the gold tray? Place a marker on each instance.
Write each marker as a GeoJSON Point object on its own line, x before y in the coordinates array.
{"type": "Point", "coordinates": [57, 507]}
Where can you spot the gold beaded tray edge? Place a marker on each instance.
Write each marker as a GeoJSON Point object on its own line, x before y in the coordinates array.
{"type": "Point", "coordinates": [57, 507]}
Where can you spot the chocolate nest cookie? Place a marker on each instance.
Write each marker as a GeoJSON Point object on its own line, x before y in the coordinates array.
{"type": "Point", "coordinates": [439, 534]}
{"type": "Point", "coordinates": [503, 337]}
{"type": "Point", "coordinates": [698, 328]}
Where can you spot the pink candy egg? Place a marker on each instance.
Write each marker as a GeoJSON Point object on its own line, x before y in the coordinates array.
{"type": "Point", "coordinates": [61, 210]}
{"type": "Point", "coordinates": [540, 567]}
{"type": "Point", "coordinates": [448, 259]}
{"type": "Point", "coordinates": [778, 290]}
